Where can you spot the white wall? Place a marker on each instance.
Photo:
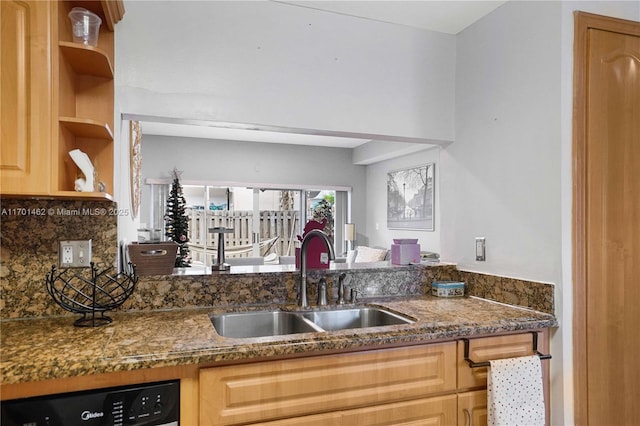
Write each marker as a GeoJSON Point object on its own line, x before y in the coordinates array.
{"type": "Point", "coordinates": [500, 179]}
{"type": "Point", "coordinates": [278, 64]}
{"type": "Point", "coordinates": [376, 233]}
{"type": "Point", "coordinates": [508, 174]}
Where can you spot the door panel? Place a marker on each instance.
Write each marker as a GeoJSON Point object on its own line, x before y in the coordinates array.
{"type": "Point", "coordinates": [612, 228]}
{"type": "Point", "coordinates": [25, 97]}
{"type": "Point", "coordinates": [472, 408]}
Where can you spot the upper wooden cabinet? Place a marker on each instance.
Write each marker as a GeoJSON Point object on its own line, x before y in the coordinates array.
{"type": "Point", "coordinates": [26, 97]}
{"type": "Point", "coordinates": [57, 96]}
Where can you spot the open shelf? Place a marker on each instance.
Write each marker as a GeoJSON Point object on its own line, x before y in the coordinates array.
{"type": "Point", "coordinates": [63, 195]}
{"type": "Point", "coordinates": [87, 60]}
{"type": "Point", "coordinates": [68, 104]}
{"type": "Point", "coordinates": [87, 128]}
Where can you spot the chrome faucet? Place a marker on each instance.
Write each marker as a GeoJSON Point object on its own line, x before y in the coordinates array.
{"type": "Point", "coordinates": [341, 278]}
{"type": "Point", "coordinates": [322, 292]}
{"type": "Point", "coordinates": [303, 301]}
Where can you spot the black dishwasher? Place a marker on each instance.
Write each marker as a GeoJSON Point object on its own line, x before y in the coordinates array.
{"type": "Point", "coordinates": [149, 404]}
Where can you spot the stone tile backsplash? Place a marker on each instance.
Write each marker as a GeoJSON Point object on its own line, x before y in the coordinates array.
{"type": "Point", "coordinates": [530, 294]}
{"type": "Point", "coordinates": [30, 231]}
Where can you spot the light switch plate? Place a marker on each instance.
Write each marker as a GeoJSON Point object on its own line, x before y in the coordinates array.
{"type": "Point", "coordinates": [480, 249]}
{"type": "Point", "coordinates": [74, 254]}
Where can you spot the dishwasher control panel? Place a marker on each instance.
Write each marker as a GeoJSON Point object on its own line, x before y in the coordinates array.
{"type": "Point", "coordinates": [149, 404]}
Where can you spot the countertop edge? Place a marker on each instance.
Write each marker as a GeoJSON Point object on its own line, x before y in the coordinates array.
{"type": "Point", "coordinates": [237, 350]}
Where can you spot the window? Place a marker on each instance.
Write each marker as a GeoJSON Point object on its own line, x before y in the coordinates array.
{"type": "Point", "coordinates": [265, 221]}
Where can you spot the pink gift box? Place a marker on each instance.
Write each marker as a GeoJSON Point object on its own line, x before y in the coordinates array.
{"type": "Point", "coordinates": [405, 254]}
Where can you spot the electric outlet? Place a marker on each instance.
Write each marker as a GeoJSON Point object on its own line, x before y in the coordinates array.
{"type": "Point", "coordinates": [480, 249]}
{"type": "Point", "coordinates": [67, 255]}
{"type": "Point", "coordinates": [75, 254]}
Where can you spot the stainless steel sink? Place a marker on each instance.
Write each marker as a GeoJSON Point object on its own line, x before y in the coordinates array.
{"type": "Point", "coordinates": [261, 324]}
{"type": "Point", "coordinates": [275, 323]}
{"type": "Point", "coordinates": [342, 319]}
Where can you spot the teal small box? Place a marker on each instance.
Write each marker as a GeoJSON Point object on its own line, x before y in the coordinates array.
{"type": "Point", "coordinates": [447, 289]}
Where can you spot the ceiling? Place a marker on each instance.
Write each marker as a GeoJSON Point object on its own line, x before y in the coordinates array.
{"type": "Point", "coordinates": [450, 17]}
{"type": "Point", "coordinates": [446, 16]}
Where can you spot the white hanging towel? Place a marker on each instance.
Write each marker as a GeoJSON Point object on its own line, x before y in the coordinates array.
{"type": "Point", "coordinates": [514, 392]}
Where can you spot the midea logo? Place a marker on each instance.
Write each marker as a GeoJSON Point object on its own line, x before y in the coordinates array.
{"type": "Point", "coordinates": [88, 415]}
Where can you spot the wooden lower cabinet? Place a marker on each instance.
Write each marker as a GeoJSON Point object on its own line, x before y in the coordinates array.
{"type": "Point", "coordinates": [472, 408]}
{"type": "Point", "coordinates": [499, 347]}
{"type": "Point", "coordinates": [367, 381]}
{"type": "Point", "coordinates": [428, 384]}
{"type": "Point", "coordinates": [419, 385]}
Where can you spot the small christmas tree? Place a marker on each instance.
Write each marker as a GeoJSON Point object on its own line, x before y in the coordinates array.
{"type": "Point", "coordinates": [176, 222]}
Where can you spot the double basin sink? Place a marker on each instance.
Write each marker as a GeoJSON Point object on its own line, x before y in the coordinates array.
{"type": "Point", "coordinates": [275, 323]}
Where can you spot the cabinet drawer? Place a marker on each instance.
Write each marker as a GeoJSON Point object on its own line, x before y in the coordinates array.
{"type": "Point", "coordinates": [297, 387]}
{"type": "Point", "coordinates": [435, 411]}
{"type": "Point", "coordinates": [325, 419]}
{"type": "Point", "coordinates": [489, 348]}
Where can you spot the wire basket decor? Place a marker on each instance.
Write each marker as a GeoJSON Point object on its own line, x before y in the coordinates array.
{"type": "Point", "coordinates": [91, 297]}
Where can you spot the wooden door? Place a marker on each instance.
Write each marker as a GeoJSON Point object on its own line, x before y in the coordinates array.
{"type": "Point", "coordinates": [472, 408]}
{"type": "Point", "coordinates": [607, 233]}
{"type": "Point", "coordinates": [25, 97]}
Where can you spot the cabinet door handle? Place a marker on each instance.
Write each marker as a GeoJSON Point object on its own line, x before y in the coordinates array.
{"type": "Point", "coordinates": [467, 414]}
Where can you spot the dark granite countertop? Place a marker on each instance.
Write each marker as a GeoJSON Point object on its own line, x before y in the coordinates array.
{"type": "Point", "coordinates": [334, 267]}
{"type": "Point", "coordinates": [50, 348]}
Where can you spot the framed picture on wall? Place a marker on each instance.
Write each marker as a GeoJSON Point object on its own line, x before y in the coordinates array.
{"type": "Point", "coordinates": [410, 198]}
